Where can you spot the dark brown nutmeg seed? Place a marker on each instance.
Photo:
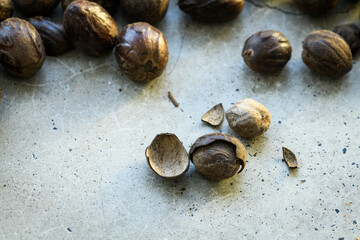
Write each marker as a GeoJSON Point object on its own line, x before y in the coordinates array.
{"type": "Point", "coordinates": [151, 11]}
{"type": "Point", "coordinates": [22, 52]}
{"type": "Point", "coordinates": [109, 5]}
{"type": "Point", "coordinates": [351, 34]}
{"type": "Point", "coordinates": [218, 156]}
{"type": "Point", "coordinates": [6, 9]}
{"type": "Point", "coordinates": [141, 51]}
{"type": "Point", "coordinates": [52, 34]}
{"type": "Point", "coordinates": [316, 7]}
{"type": "Point", "coordinates": [90, 27]}
{"type": "Point", "coordinates": [212, 11]}
{"type": "Point", "coordinates": [267, 51]}
{"type": "Point", "coordinates": [36, 7]}
{"type": "Point", "coordinates": [327, 53]}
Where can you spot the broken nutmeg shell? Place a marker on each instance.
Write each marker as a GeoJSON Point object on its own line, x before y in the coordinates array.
{"type": "Point", "coordinates": [218, 156]}
{"type": "Point", "coordinates": [290, 158]}
{"type": "Point", "coordinates": [214, 116]}
{"type": "Point", "coordinates": [167, 156]}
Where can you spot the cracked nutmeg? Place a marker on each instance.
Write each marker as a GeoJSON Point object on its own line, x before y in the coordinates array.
{"type": "Point", "coordinates": [351, 34]}
{"type": "Point", "coordinates": [151, 11]}
{"type": "Point", "coordinates": [248, 118]}
{"type": "Point", "coordinates": [6, 9]}
{"type": "Point", "coordinates": [316, 7]}
{"type": "Point", "coordinates": [22, 52]}
{"type": "Point", "coordinates": [109, 5]}
{"type": "Point", "coordinates": [267, 52]}
{"type": "Point", "coordinates": [90, 27]}
{"type": "Point", "coordinates": [212, 11]}
{"type": "Point", "coordinates": [36, 7]}
{"type": "Point", "coordinates": [167, 157]}
{"type": "Point", "coordinates": [218, 156]}
{"type": "Point", "coordinates": [141, 51]}
{"type": "Point", "coordinates": [52, 34]}
{"type": "Point", "coordinates": [327, 53]}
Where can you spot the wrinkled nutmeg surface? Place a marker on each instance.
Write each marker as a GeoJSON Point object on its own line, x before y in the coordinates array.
{"type": "Point", "coordinates": [248, 118]}
{"type": "Point", "coordinates": [141, 51]}
{"type": "Point", "coordinates": [52, 34]}
{"type": "Point", "coordinates": [351, 34]}
{"type": "Point", "coordinates": [6, 9]}
{"type": "Point", "coordinates": [212, 11]}
{"type": "Point", "coordinates": [218, 156]}
{"type": "Point", "coordinates": [327, 53]}
{"type": "Point", "coordinates": [109, 5]}
{"type": "Point", "coordinates": [167, 157]}
{"type": "Point", "coordinates": [22, 52]}
{"type": "Point", "coordinates": [316, 7]}
{"type": "Point", "coordinates": [151, 11]}
{"type": "Point", "coordinates": [267, 51]}
{"type": "Point", "coordinates": [90, 27]}
{"type": "Point", "coordinates": [36, 7]}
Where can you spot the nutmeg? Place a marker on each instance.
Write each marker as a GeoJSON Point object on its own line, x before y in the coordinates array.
{"type": "Point", "coordinates": [36, 7]}
{"type": "Point", "coordinates": [316, 7]}
{"type": "Point", "coordinates": [90, 27]}
{"type": "Point", "coordinates": [6, 9]}
{"type": "Point", "coordinates": [212, 11]}
{"type": "Point", "coordinates": [141, 51]}
{"type": "Point", "coordinates": [151, 11]}
{"type": "Point", "coordinates": [267, 51]}
{"type": "Point", "coordinates": [218, 156]}
{"type": "Point", "coordinates": [22, 52]}
{"type": "Point", "coordinates": [327, 53]}
{"type": "Point", "coordinates": [351, 34]}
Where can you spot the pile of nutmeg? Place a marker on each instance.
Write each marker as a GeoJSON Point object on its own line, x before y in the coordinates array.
{"type": "Point", "coordinates": [141, 51]}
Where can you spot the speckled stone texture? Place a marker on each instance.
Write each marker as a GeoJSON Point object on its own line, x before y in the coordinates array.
{"type": "Point", "coordinates": [73, 137]}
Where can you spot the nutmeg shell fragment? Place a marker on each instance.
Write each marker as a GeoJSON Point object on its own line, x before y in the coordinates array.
{"type": "Point", "coordinates": [327, 53]}
{"type": "Point", "coordinates": [290, 158]}
{"type": "Point", "coordinates": [351, 34]}
{"type": "Point", "coordinates": [22, 52]}
{"type": "Point", "coordinates": [151, 11]}
{"type": "Point", "coordinates": [212, 11]}
{"type": "Point", "coordinates": [218, 156]}
{"type": "Point", "coordinates": [316, 7]}
{"type": "Point", "coordinates": [267, 51]}
{"type": "Point", "coordinates": [90, 27]}
{"type": "Point", "coordinates": [214, 116]}
{"type": "Point", "coordinates": [36, 7]}
{"type": "Point", "coordinates": [6, 9]}
{"type": "Point", "coordinates": [141, 51]}
{"type": "Point", "coordinates": [167, 157]}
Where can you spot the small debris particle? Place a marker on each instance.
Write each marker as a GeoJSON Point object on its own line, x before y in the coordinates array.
{"type": "Point", "coordinates": [171, 97]}
{"type": "Point", "coordinates": [70, 149]}
{"type": "Point", "coordinates": [344, 151]}
{"type": "Point", "coordinates": [337, 210]}
{"type": "Point", "coordinates": [54, 128]}
{"type": "Point", "coordinates": [262, 180]}
{"type": "Point", "coordinates": [183, 189]}
{"type": "Point", "coordinates": [316, 229]}
{"type": "Point", "coordinates": [120, 90]}
{"type": "Point", "coordinates": [303, 181]}
{"type": "Point", "coordinates": [69, 230]}
{"type": "Point", "coordinates": [290, 158]}
{"type": "Point", "coordinates": [341, 238]}
{"type": "Point", "coordinates": [34, 157]}
{"type": "Point", "coordinates": [4, 185]}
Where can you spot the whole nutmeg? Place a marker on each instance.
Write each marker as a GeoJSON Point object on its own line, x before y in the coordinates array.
{"type": "Point", "coordinates": [267, 51]}
{"type": "Point", "coordinates": [327, 53]}
{"type": "Point", "coordinates": [6, 9]}
{"type": "Point", "coordinates": [167, 157]}
{"type": "Point", "coordinates": [316, 7]}
{"type": "Point", "coordinates": [212, 11]}
{"type": "Point", "coordinates": [109, 5]}
{"type": "Point", "coordinates": [351, 34]}
{"type": "Point", "coordinates": [248, 118]}
{"type": "Point", "coordinates": [218, 156]}
{"type": "Point", "coordinates": [36, 7]}
{"type": "Point", "coordinates": [90, 27]}
{"type": "Point", "coordinates": [22, 52]}
{"type": "Point", "coordinates": [52, 34]}
{"type": "Point", "coordinates": [141, 51]}
{"type": "Point", "coordinates": [151, 11]}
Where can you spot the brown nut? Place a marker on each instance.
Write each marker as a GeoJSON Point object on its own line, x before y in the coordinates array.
{"type": "Point", "coordinates": [351, 34]}
{"type": "Point", "coordinates": [267, 51]}
{"type": "Point", "coordinates": [6, 9]}
{"type": "Point", "coordinates": [36, 7]}
{"type": "Point", "coordinates": [218, 156]}
{"type": "Point", "coordinates": [22, 52]}
{"type": "Point", "coordinates": [151, 11]}
{"type": "Point", "coordinates": [52, 34]}
{"type": "Point", "coordinates": [316, 7]}
{"type": "Point", "coordinates": [109, 5]}
{"type": "Point", "coordinates": [167, 157]}
{"type": "Point", "coordinates": [327, 53]}
{"type": "Point", "coordinates": [90, 27]}
{"type": "Point", "coordinates": [141, 51]}
{"type": "Point", "coordinates": [248, 118]}
{"type": "Point", "coordinates": [212, 11]}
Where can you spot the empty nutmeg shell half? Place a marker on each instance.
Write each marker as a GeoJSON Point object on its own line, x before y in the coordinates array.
{"type": "Point", "coordinates": [167, 157]}
{"type": "Point", "coordinates": [218, 156]}
{"type": "Point", "coordinates": [214, 116]}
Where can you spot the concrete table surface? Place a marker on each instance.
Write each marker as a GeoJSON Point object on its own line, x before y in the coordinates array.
{"type": "Point", "coordinates": [73, 139]}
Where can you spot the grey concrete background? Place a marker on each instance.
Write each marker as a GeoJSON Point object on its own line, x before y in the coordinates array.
{"type": "Point", "coordinates": [73, 137]}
